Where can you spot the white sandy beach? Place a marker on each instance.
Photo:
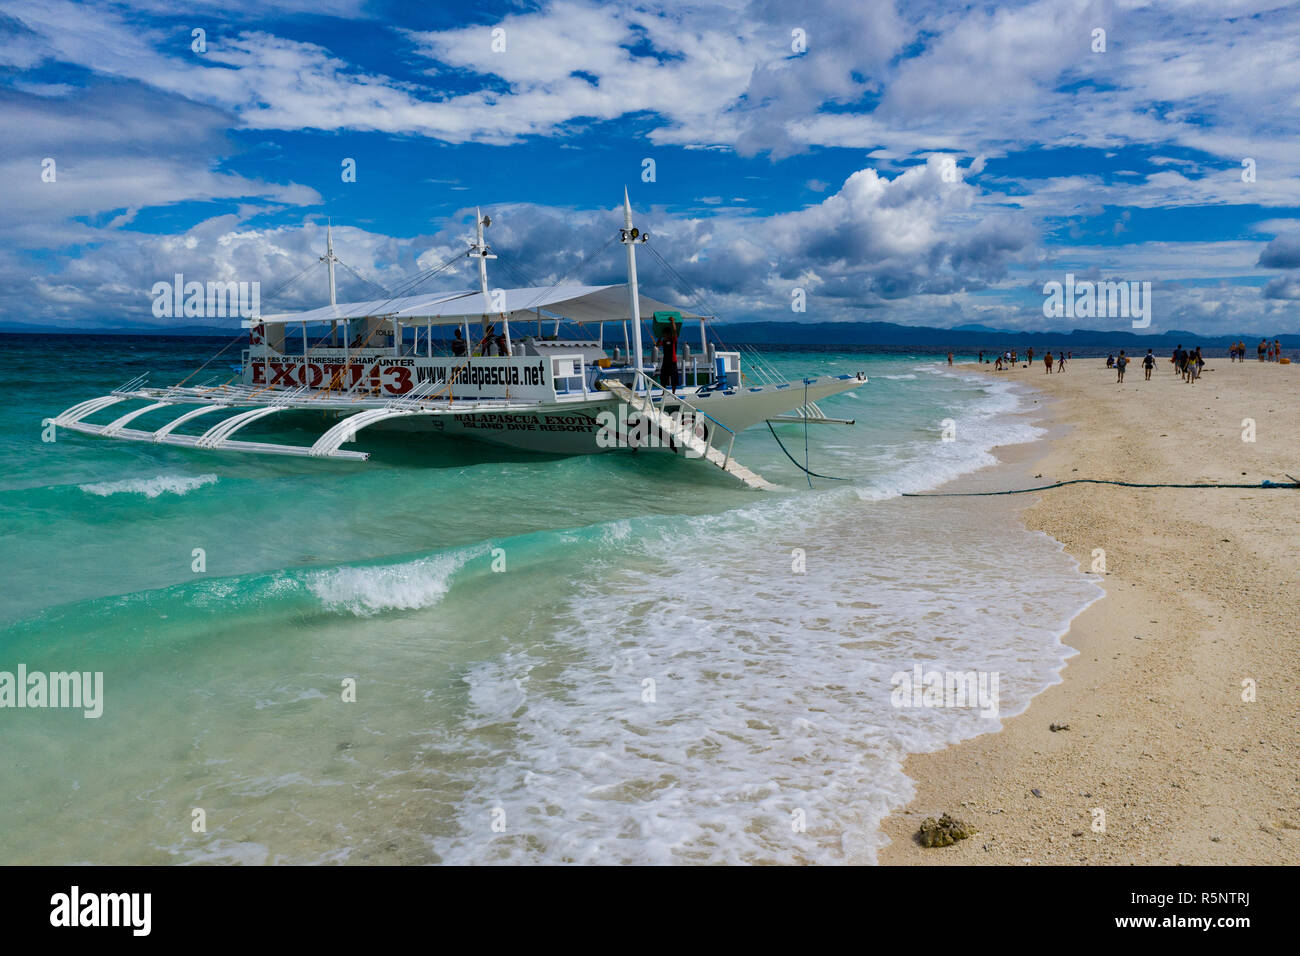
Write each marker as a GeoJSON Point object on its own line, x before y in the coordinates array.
{"type": "Point", "coordinates": [1200, 606]}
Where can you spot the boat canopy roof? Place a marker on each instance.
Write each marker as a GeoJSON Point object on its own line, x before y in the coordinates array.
{"type": "Point", "coordinates": [580, 303]}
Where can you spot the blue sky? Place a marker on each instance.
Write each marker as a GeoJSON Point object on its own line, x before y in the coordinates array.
{"type": "Point", "coordinates": [917, 163]}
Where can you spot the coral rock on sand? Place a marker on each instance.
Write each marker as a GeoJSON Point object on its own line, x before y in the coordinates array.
{"type": "Point", "coordinates": [943, 832]}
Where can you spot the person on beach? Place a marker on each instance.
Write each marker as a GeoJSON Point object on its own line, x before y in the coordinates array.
{"type": "Point", "coordinates": [949, 358]}
{"type": "Point", "coordinates": [1277, 350]}
{"type": "Point", "coordinates": [1148, 364]}
{"type": "Point", "coordinates": [1110, 360]}
{"type": "Point", "coordinates": [1198, 361]}
{"type": "Point", "coordinates": [1060, 360]}
{"type": "Point", "coordinates": [981, 356]}
{"type": "Point", "coordinates": [1047, 360]}
{"type": "Point", "coordinates": [1174, 359]}
{"type": "Point", "coordinates": [1119, 367]}
{"type": "Point", "coordinates": [997, 366]}
{"type": "Point", "coordinates": [1029, 353]}
{"type": "Point", "coordinates": [1260, 349]}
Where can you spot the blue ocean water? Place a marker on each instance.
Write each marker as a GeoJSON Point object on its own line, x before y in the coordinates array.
{"type": "Point", "coordinates": [609, 658]}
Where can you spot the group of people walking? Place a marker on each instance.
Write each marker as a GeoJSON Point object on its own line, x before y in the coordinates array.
{"type": "Point", "coordinates": [1265, 351]}
{"type": "Point", "coordinates": [1011, 358]}
{"type": "Point", "coordinates": [1188, 363]}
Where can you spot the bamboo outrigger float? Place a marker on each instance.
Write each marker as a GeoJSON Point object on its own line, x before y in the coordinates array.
{"type": "Point", "coordinates": [547, 395]}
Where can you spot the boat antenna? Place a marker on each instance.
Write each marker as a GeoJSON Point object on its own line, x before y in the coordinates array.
{"type": "Point", "coordinates": [629, 235]}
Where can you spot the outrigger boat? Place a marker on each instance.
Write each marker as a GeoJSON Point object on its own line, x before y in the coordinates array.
{"type": "Point", "coordinates": [543, 394]}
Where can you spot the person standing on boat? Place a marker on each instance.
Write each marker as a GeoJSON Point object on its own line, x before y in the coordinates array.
{"type": "Point", "coordinates": [458, 342]}
{"type": "Point", "coordinates": [668, 374]}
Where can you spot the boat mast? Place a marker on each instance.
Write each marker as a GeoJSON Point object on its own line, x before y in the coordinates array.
{"type": "Point", "coordinates": [630, 236]}
{"type": "Point", "coordinates": [329, 259]}
{"type": "Point", "coordinates": [480, 251]}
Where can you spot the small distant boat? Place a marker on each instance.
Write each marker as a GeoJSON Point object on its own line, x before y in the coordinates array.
{"type": "Point", "coordinates": [545, 394]}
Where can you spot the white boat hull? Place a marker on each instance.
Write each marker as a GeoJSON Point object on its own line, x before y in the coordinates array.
{"type": "Point", "coordinates": [574, 427]}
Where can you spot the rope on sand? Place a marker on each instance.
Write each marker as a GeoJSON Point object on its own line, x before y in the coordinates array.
{"type": "Point", "coordinates": [1294, 483]}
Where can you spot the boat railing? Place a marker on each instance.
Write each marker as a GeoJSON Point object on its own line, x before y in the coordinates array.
{"type": "Point", "coordinates": [697, 415]}
{"type": "Point", "coordinates": [569, 374]}
{"type": "Point", "coordinates": [131, 385]}
{"type": "Point", "coordinates": [414, 400]}
{"type": "Point", "coordinates": [288, 396]}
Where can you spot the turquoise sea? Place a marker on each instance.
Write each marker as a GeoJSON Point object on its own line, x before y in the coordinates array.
{"type": "Point", "coordinates": [604, 659]}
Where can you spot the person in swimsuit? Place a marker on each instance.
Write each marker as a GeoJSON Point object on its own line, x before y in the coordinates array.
{"type": "Point", "coordinates": [1047, 360]}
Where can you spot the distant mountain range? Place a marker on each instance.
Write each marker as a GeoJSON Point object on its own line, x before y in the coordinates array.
{"type": "Point", "coordinates": [884, 335]}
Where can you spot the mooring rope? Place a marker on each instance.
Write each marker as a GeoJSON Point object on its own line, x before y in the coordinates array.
{"type": "Point", "coordinates": [1294, 483]}
{"type": "Point", "coordinates": [796, 463]}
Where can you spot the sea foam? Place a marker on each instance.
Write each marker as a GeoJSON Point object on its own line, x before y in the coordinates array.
{"type": "Point", "coordinates": [408, 585]}
{"type": "Point", "coordinates": [718, 706]}
{"type": "Point", "coordinates": [150, 487]}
